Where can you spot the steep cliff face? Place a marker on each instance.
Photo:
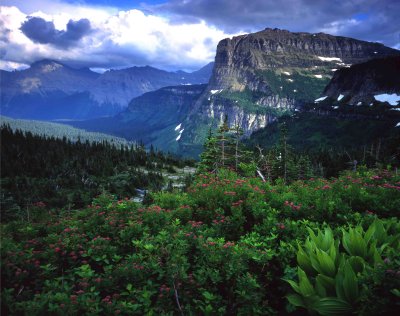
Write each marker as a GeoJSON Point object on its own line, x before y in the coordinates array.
{"type": "Point", "coordinates": [278, 71]}
{"type": "Point", "coordinates": [362, 82]}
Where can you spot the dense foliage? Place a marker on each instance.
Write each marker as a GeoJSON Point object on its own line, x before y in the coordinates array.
{"type": "Point", "coordinates": [231, 245]}
{"type": "Point", "coordinates": [336, 135]}
{"type": "Point", "coordinates": [64, 174]}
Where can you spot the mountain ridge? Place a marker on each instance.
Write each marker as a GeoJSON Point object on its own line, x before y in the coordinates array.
{"type": "Point", "coordinates": [53, 90]}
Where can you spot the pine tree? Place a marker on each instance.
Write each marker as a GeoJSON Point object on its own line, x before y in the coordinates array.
{"type": "Point", "coordinates": [210, 155]}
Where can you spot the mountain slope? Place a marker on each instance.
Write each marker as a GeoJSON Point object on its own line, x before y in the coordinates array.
{"type": "Point", "coordinates": [261, 76]}
{"type": "Point", "coordinates": [360, 83]}
{"type": "Point", "coordinates": [350, 115]}
{"type": "Point", "coordinates": [51, 90]}
{"type": "Point", "coordinates": [152, 117]}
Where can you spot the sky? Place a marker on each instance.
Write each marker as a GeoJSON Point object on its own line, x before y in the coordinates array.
{"type": "Point", "coordinates": [172, 34]}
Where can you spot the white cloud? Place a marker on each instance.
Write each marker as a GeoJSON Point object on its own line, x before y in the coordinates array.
{"type": "Point", "coordinates": [123, 38]}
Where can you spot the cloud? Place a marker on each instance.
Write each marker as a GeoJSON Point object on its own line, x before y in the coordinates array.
{"type": "Point", "coordinates": [44, 32]}
{"type": "Point", "coordinates": [109, 40]}
{"type": "Point", "coordinates": [177, 34]}
{"type": "Point", "coordinates": [364, 19]}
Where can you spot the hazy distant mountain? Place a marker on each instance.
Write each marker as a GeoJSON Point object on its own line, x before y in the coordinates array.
{"type": "Point", "coordinates": [154, 118]}
{"type": "Point", "coordinates": [51, 90]}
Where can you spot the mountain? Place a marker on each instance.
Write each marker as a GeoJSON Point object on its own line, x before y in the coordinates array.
{"type": "Point", "coordinates": [359, 110]}
{"type": "Point", "coordinates": [153, 118]}
{"type": "Point", "coordinates": [50, 90]}
{"type": "Point", "coordinates": [261, 76]}
{"type": "Point", "coordinates": [361, 83]}
{"type": "Point", "coordinates": [256, 79]}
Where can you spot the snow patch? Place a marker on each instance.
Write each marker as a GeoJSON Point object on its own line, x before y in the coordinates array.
{"type": "Point", "coordinates": [178, 127]}
{"type": "Point", "coordinates": [318, 76]}
{"type": "Point", "coordinates": [340, 97]}
{"type": "Point", "coordinates": [396, 109]}
{"type": "Point", "coordinates": [398, 124]}
{"type": "Point", "coordinates": [334, 69]}
{"type": "Point", "coordinates": [179, 137]}
{"type": "Point", "coordinates": [286, 73]}
{"type": "Point", "coordinates": [216, 91]}
{"type": "Point", "coordinates": [294, 90]}
{"type": "Point", "coordinates": [359, 103]}
{"type": "Point", "coordinates": [392, 99]}
{"type": "Point", "coordinates": [329, 58]}
{"type": "Point", "coordinates": [181, 131]}
{"type": "Point", "coordinates": [375, 52]}
{"type": "Point", "coordinates": [335, 107]}
{"type": "Point", "coordinates": [320, 99]}
{"type": "Point", "coordinates": [290, 80]}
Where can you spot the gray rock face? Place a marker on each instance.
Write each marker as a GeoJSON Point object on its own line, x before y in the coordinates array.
{"type": "Point", "coordinates": [275, 64]}
{"type": "Point", "coordinates": [238, 58]}
{"type": "Point", "coordinates": [361, 82]}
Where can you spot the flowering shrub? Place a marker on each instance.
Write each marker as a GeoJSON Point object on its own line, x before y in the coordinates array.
{"type": "Point", "coordinates": [223, 247]}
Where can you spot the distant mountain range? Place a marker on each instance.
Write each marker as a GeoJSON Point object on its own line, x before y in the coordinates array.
{"type": "Point", "coordinates": [50, 90]}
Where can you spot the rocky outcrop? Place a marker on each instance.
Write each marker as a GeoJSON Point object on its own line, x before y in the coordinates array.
{"type": "Point", "coordinates": [281, 69]}
{"type": "Point", "coordinates": [360, 83]}
{"type": "Point", "coordinates": [239, 58]}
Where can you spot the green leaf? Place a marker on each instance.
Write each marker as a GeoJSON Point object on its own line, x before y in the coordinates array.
{"type": "Point", "coordinates": [332, 306]}
{"type": "Point", "coordinates": [339, 284]}
{"type": "Point", "coordinates": [327, 265]}
{"type": "Point", "coordinates": [354, 242]}
{"type": "Point", "coordinates": [357, 263]}
{"type": "Point", "coordinates": [304, 261]}
{"type": "Point", "coordinates": [326, 282]}
{"type": "Point", "coordinates": [395, 292]}
{"type": "Point", "coordinates": [350, 284]}
{"type": "Point", "coordinates": [320, 289]}
{"type": "Point", "coordinates": [306, 288]}
{"type": "Point", "coordinates": [294, 285]}
{"type": "Point", "coordinates": [295, 300]}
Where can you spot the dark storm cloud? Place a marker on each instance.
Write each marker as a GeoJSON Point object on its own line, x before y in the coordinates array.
{"type": "Point", "coordinates": [44, 32]}
{"type": "Point", "coordinates": [370, 20]}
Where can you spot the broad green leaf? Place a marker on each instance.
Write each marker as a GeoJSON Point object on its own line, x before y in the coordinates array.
{"type": "Point", "coordinates": [370, 232]}
{"type": "Point", "coordinates": [339, 284]}
{"type": "Point", "coordinates": [357, 263]}
{"type": "Point", "coordinates": [306, 288]}
{"type": "Point", "coordinates": [354, 243]}
{"type": "Point", "coordinates": [294, 285]}
{"type": "Point", "coordinates": [326, 282]}
{"type": "Point", "coordinates": [304, 261]}
{"type": "Point", "coordinates": [350, 284]}
{"type": "Point", "coordinates": [320, 289]}
{"type": "Point", "coordinates": [332, 306]}
{"type": "Point", "coordinates": [396, 292]}
{"type": "Point", "coordinates": [296, 300]}
{"type": "Point", "coordinates": [326, 264]}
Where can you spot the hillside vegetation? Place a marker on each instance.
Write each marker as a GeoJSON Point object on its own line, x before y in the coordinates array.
{"type": "Point", "coordinates": [230, 244]}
